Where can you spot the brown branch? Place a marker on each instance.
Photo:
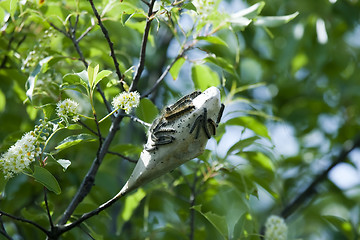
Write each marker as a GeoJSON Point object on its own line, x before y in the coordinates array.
{"type": "Point", "coordinates": [141, 64]}
{"type": "Point", "coordinates": [122, 156]}
{"type": "Point", "coordinates": [110, 43]}
{"type": "Point", "coordinates": [310, 190]}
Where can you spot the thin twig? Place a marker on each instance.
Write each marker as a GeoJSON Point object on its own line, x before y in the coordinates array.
{"type": "Point", "coordinates": [122, 156]}
{"type": "Point", "coordinates": [142, 57]}
{"type": "Point", "coordinates": [87, 127]}
{"type": "Point", "coordinates": [47, 209]}
{"type": "Point", "coordinates": [310, 190]}
{"type": "Point", "coordinates": [85, 33]}
{"type": "Point", "coordinates": [135, 119]}
{"type": "Point", "coordinates": [25, 221]}
{"type": "Point", "coordinates": [167, 70]}
{"type": "Point", "coordinates": [110, 43]}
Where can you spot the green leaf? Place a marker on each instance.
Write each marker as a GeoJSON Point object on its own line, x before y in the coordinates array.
{"type": "Point", "coordinates": [250, 123]}
{"type": "Point", "coordinates": [64, 163]}
{"type": "Point", "coordinates": [3, 182]}
{"type": "Point", "coordinates": [203, 77]}
{"type": "Point", "coordinates": [31, 81]}
{"type": "Point", "coordinates": [219, 222]}
{"type": "Point", "coordinates": [74, 140]}
{"type": "Point", "coordinates": [342, 225]}
{"type": "Point", "coordinates": [274, 21]}
{"type": "Point", "coordinates": [2, 101]}
{"type": "Point", "coordinates": [131, 203]}
{"type": "Point", "coordinates": [76, 81]}
{"type": "Point", "coordinates": [260, 160]}
{"type": "Point", "coordinates": [214, 40]}
{"type": "Point", "coordinates": [189, 6]}
{"type": "Point", "coordinates": [92, 71]}
{"type": "Point", "coordinates": [250, 12]}
{"type": "Point", "coordinates": [175, 69]}
{"type": "Point", "coordinates": [44, 177]}
{"type": "Point", "coordinates": [146, 110]}
{"type": "Point", "coordinates": [49, 110]}
{"type": "Point", "coordinates": [240, 145]}
{"type": "Point", "coordinates": [221, 62]}
{"type": "Point", "coordinates": [101, 76]}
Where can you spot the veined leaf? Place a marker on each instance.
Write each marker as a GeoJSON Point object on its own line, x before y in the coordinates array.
{"type": "Point", "coordinates": [274, 21]}
{"type": "Point", "coordinates": [44, 177]}
{"type": "Point", "coordinates": [73, 140]}
{"type": "Point", "coordinates": [240, 145]}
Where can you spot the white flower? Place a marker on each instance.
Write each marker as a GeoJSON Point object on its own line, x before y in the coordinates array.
{"type": "Point", "coordinates": [19, 156]}
{"type": "Point", "coordinates": [204, 7]}
{"type": "Point", "coordinates": [67, 108]}
{"type": "Point", "coordinates": [126, 101]}
{"type": "Point", "coordinates": [276, 228]}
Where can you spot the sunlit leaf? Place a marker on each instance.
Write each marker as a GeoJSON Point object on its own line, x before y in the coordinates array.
{"type": "Point", "coordinates": [274, 21]}
{"type": "Point", "coordinates": [250, 123]}
{"type": "Point", "coordinates": [31, 81]}
{"type": "Point", "coordinates": [64, 163]}
{"type": "Point", "coordinates": [44, 177]}
{"type": "Point", "coordinates": [103, 74]}
{"type": "Point", "coordinates": [189, 6]}
{"type": "Point", "coordinates": [2, 101]}
{"type": "Point", "coordinates": [175, 69]}
{"type": "Point", "coordinates": [74, 140]}
{"type": "Point", "coordinates": [92, 71]}
{"type": "Point", "coordinates": [213, 39]}
{"type": "Point", "coordinates": [49, 110]}
{"type": "Point", "coordinates": [240, 145]}
{"type": "Point", "coordinates": [203, 77]}
{"type": "Point", "coordinates": [131, 203]}
{"type": "Point", "coordinates": [250, 12]}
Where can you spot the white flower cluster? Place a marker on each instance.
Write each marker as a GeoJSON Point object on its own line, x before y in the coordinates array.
{"type": "Point", "coordinates": [276, 228]}
{"type": "Point", "coordinates": [67, 108]}
{"type": "Point", "coordinates": [20, 155]}
{"type": "Point", "coordinates": [24, 151]}
{"type": "Point", "coordinates": [126, 101]}
{"type": "Point", "coordinates": [204, 7]}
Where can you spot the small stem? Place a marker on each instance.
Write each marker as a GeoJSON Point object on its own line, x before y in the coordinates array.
{"type": "Point", "coordinates": [122, 156]}
{"type": "Point", "coordinates": [111, 113]}
{"type": "Point", "coordinates": [47, 208]}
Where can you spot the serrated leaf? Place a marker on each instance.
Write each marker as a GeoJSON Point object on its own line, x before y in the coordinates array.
{"type": "Point", "coordinates": [250, 123]}
{"type": "Point", "coordinates": [274, 21]}
{"type": "Point", "coordinates": [175, 69]}
{"type": "Point", "coordinates": [64, 163]}
{"type": "Point", "coordinates": [44, 177]}
{"type": "Point", "coordinates": [214, 40]}
{"type": "Point", "coordinates": [74, 140]}
{"type": "Point", "coordinates": [31, 81]}
{"type": "Point", "coordinates": [146, 110]}
{"type": "Point", "coordinates": [203, 77]}
{"type": "Point", "coordinates": [219, 222]}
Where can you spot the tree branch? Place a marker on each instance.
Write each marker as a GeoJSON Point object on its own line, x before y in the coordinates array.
{"type": "Point", "coordinates": [110, 43]}
{"type": "Point", "coordinates": [89, 179]}
{"type": "Point", "coordinates": [141, 64]}
{"type": "Point", "coordinates": [310, 190]}
{"type": "Point", "coordinates": [3, 230]}
{"type": "Point", "coordinates": [25, 221]}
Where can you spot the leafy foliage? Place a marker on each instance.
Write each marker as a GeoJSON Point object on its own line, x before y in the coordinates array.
{"type": "Point", "coordinates": [288, 73]}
